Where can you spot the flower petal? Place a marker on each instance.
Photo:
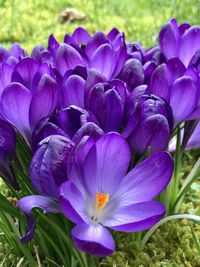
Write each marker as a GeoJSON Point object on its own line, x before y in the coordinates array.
{"type": "Point", "coordinates": [106, 164]}
{"type": "Point", "coordinates": [168, 40]}
{"type": "Point", "coordinates": [26, 204]}
{"type": "Point", "coordinates": [154, 133]}
{"type": "Point", "coordinates": [67, 58]}
{"type": "Point", "coordinates": [81, 36]}
{"type": "Point", "coordinates": [72, 203]}
{"type": "Point", "coordinates": [159, 84]}
{"type": "Point", "coordinates": [49, 163]}
{"type": "Point", "coordinates": [44, 100]}
{"type": "Point", "coordinates": [183, 98]}
{"type": "Point", "coordinates": [73, 91]}
{"type": "Point", "coordinates": [103, 60]}
{"type": "Point", "coordinates": [190, 43]}
{"type": "Point", "coordinates": [25, 71]}
{"type": "Point", "coordinates": [147, 180]}
{"type": "Point", "coordinates": [136, 217]}
{"type": "Point", "coordinates": [93, 239]}
{"type": "Point", "coordinates": [16, 101]}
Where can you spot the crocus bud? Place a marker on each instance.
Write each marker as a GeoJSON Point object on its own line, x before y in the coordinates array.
{"type": "Point", "coordinates": [149, 124]}
{"type": "Point", "coordinates": [7, 148]}
{"type": "Point", "coordinates": [106, 102]}
{"type": "Point", "coordinates": [49, 163]}
{"type": "Point", "coordinates": [132, 73]}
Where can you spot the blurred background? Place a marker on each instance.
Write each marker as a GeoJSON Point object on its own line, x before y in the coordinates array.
{"type": "Point", "coordinates": [30, 22]}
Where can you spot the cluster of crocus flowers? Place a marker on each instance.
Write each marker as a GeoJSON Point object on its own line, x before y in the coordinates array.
{"type": "Point", "coordinates": [90, 109]}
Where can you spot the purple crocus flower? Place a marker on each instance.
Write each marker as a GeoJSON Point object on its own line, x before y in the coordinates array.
{"type": "Point", "coordinates": [31, 96]}
{"type": "Point", "coordinates": [48, 170]}
{"type": "Point", "coordinates": [106, 54]}
{"type": "Point", "coordinates": [106, 102]}
{"type": "Point", "coordinates": [100, 195]}
{"type": "Point", "coordinates": [132, 73]}
{"type": "Point", "coordinates": [179, 87]}
{"type": "Point", "coordinates": [149, 122]}
{"type": "Point", "coordinates": [7, 149]}
{"type": "Point", "coordinates": [180, 41]}
{"type": "Point", "coordinates": [15, 54]}
{"type": "Point", "coordinates": [72, 122]}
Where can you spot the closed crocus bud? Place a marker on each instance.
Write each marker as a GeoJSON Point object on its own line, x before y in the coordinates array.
{"type": "Point", "coordinates": [71, 119]}
{"type": "Point", "coordinates": [135, 50]}
{"type": "Point", "coordinates": [132, 73]}
{"type": "Point", "coordinates": [106, 102]}
{"type": "Point", "coordinates": [49, 163]}
{"type": "Point", "coordinates": [149, 124]}
{"type": "Point", "coordinates": [44, 129]}
{"type": "Point", "coordinates": [7, 149]}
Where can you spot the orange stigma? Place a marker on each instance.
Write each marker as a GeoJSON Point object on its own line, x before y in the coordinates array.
{"type": "Point", "coordinates": [101, 201]}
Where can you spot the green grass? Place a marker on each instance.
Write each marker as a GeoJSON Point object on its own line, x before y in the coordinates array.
{"type": "Point", "coordinates": [31, 22]}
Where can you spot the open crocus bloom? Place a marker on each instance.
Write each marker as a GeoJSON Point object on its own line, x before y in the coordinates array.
{"type": "Point", "coordinates": [99, 193]}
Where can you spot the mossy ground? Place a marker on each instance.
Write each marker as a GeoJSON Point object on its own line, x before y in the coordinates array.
{"type": "Point", "coordinates": [30, 23]}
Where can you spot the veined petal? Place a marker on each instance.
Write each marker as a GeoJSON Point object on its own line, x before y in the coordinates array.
{"type": "Point", "coordinates": [25, 71]}
{"type": "Point", "coordinates": [73, 203]}
{"type": "Point", "coordinates": [103, 60]}
{"type": "Point", "coordinates": [26, 204]}
{"type": "Point", "coordinates": [136, 217]}
{"type": "Point", "coordinates": [93, 239]}
{"type": "Point", "coordinates": [16, 101]}
{"type": "Point", "coordinates": [147, 180]}
{"type": "Point", "coordinates": [81, 36]}
{"type": "Point", "coordinates": [73, 91]}
{"type": "Point", "coordinates": [159, 84]}
{"type": "Point", "coordinates": [183, 98]}
{"type": "Point", "coordinates": [67, 58]}
{"type": "Point", "coordinates": [106, 164]}
{"type": "Point", "coordinates": [168, 40]}
{"type": "Point", "coordinates": [44, 100]}
{"type": "Point", "coordinates": [190, 43]}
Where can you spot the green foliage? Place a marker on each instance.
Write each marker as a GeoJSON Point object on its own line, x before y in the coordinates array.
{"type": "Point", "coordinates": [31, 22]}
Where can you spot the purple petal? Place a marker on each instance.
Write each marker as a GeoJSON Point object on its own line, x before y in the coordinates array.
{"type": "Point", "coordinates": [73, 91]}
{"type": "Point", "coordinates": [168, 40]}
{"type": "Point", "coordinates": [26, 204]}
{"type": "Point", "coordinates": [44, 100]}
{"type": "Point", "coordinates": [88, 129]}
{"type": "Point", "coordinates": [72, 203]}
{"type": "Point", "coordinates": [49, 163]}
{"type": "Point", "coordinates": [93, 239]}
{"type": "Point", "coordinates": [43, 130]}
{"type": "Point", "coordinates": [25, 71]}
{"type": "Point", "coordinates": [175, 69]}
{"type": "Point", "coordinates": [190, 43]}
{"type": "Point", "coordinates": [159, 84]}
{"type": "Point", "coordinates": [103, 60]}
{"type": "Point", "coordinates": [107, 163]}
{"type": "Point", "coordinates": [81, 36]}
{"type": "Point", "coordinates": [194, 141]}
{"type": "Point", "coordinates": [132, 73]}
{"type": "Point", "coordinates": [67, 58]}
{"type": "Point", "coordinates": [16, 101]}
{"type": "Point", "coordinates": [147, 180]}
{"type": "Point", "coordinates": [5, 76]}
{"type": "Point", "coordinates": [7, 139]}
{"type": "Point", "coordinates": [112, 34]}
{"type": "Point", "coordinates": [183, 98]}
{"type": "Point", "coordinates": [136, 217]}
{"type": "Point", "coordinates": [53, 44]}
{"type": "Point", "coordinates": [96, 41]}
{"type": "Point", "coordinates": [154, 133]}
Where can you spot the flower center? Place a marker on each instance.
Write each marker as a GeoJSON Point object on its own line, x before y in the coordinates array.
{"type": "Point", "coordinates": [101, 201]}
